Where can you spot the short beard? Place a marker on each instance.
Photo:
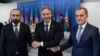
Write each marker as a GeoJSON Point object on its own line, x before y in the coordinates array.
{"type": "Point", "coordinates": [15, 21]}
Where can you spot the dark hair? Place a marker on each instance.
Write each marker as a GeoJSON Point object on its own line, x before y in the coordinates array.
{"type": "Point", "coordinates": [86, 11]}
{"type": "Point", "coordinates": [15, 9]}
{"type": "Point", "coordinates": [45, 7]}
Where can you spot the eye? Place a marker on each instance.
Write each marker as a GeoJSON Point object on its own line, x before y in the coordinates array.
{"type": "Point", "coordinates": [76, 15]}
{"type": "Point", "coordinates": [47, 13]}
{"type": "Point", "coordinates": [81, 15]}
{"type": "Point", "coordinates": [44, 14]}
{"type": "Point", "coordinates": [15, 15]}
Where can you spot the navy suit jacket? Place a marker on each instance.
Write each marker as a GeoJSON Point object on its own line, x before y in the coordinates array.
{"type": "Point", "coordinates": [53, 38]}
{"type": "Point", "coordinates": [89, 43]}
{"type": "Point", "coordinates": [10, 45]}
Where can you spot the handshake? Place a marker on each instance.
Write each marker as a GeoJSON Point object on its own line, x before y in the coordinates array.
{"type": "Point", "coordinates": [37, 44]}
{"type": "Point", "coordinates": [55, 49]}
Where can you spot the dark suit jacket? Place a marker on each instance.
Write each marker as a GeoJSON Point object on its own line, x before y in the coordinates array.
{"type": "Point", "coordinates": [10, 45]}
{"type": "Point", "coordinates": [53, 38]}
{"type": "Point", "coordinates": [1, 25]}
{"type": "Point", "coordinates": [89, 44]}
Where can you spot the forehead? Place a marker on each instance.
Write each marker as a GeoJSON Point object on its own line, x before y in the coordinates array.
{"type": "Point", "coordinates": [82, 11]}
{"type": "Point", "coordinates": [46, 11]}
{"type": "Point", "coordinates": [15, 12]}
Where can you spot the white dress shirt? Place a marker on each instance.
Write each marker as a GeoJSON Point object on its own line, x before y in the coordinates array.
{"type": "Point", "coordinates": [18, 26]}
{"type": "Point", "coordinates": [49, 23]}
{"type": "Point", "coordinates": [83, 26]}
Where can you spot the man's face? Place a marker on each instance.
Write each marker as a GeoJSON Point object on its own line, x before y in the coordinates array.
{"type": "Point", "coordinates": [81, 17]}
{"type": "Point", "coordinates": [15, 16]}
{"type": "Point", "coordinates": [46, 15]}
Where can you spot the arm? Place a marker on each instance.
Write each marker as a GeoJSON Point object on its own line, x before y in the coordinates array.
{"type": "Point", "coordinates": [62, 47]}
{"type": "Point", "coordinates": [2, 42]}
{"type": "Point", "coordinates": [96, 42]}
{"type": "Point", "coordinates": [29, 36]}
{"type": "Point", "coordinates": [67, 44]}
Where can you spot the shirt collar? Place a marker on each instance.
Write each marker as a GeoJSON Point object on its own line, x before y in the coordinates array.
{"type": "Point", "coordinates": [17, 24]}
{"type": "Point", "coordinates": [83, 26]}
{"type": "Point", "coordinates": [47, 23]}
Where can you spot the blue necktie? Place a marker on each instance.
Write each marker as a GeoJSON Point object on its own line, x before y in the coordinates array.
{"type": "Point", "coordinates": [46, 29]}
{"type": "Point", "coordinates": [16, 31]}
{"type": "Point", "coordinates": [79, 34]}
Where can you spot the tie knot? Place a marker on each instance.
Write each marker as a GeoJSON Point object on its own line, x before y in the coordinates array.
{"type": "Point", "coordinates": [80, 27]}
{"type": "Point", "coordinates": [15, 25]}
{"type": "Point", "coordinates": [46, 25]}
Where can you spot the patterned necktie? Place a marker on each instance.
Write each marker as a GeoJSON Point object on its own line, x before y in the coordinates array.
{"type": "Point", "coordinates": [16, 31]}
{"type": "Point", "coordinates": [46, 26]}
{"type": "Point", "coordinates": [79, 34]}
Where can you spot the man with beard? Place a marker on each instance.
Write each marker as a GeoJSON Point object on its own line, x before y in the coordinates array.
{"type": "Point", "coordinates": [15, 36]}
{"type": "Point", "coordinates": [47, 34]}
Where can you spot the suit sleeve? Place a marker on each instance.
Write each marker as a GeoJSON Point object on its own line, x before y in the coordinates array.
{"type": "Point", "coordinates": [57, 38]}
{"type": "Point", "coordinates": [2, 42]}
{"type": "Point", "coordinates": [36, 34]}
{"type": "Point", "coordinates": [66, 44]}
{"type": "Point", "coordinates": [1, 27]}
{"type": "Point", "coordinates": [29, 36]}
{"type": "Point", "coordinates": [96, 42]}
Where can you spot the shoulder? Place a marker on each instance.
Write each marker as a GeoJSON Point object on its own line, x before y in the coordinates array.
{"type": "Point", "coordinates": [92, 27]}
{"type": "Point", "coordinates": [24, 25]}
{"type": "Point", "coordinates": [1, 24]}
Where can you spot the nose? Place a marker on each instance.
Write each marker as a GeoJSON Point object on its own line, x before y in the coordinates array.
{"type": "Point", "coordinates": [15, 17]}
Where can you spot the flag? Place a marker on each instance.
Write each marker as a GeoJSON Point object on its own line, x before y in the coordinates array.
{"type": "Point", "coordinates": [53, 13]}
{"type": "Point", "coordinates": [26, 17]}
{"type": "Point", "coordinates": [58, 16]}
{"type": "Point", "coordinates": [31, 17]}
{"type": "Point", "coordinates": [66, 19]}
{"type": "Point", "coordinates": [22, 19]}
{"type": "Point", "coordinates": [36, 16]}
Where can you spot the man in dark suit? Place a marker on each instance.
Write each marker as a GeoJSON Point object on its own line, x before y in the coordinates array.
{"type": "Point", "coordinates": [84, 37]}
{"type": "Point", "coordinates": [47, 34]}
{"type": "Point", "coordinates": [1, 25]}
{"type": "Point", "coordinates": [15, 36]}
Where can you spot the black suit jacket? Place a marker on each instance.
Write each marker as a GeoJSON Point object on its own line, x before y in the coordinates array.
{"type": "Point", "coordinates": [1, 25]}
{"type": "Point", "coordinates": [10, 45]}
{"type": "Point", "coordinates": [53, 38]}
{"type": "Point", "coordinates": [89, 43]}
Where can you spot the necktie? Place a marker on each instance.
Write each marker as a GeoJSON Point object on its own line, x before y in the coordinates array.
{"type": "Point", "coordinates": [46, 26]}
{"type": "Point", "coordinates": [16, 31]}
{"type": "Point", "coordinates": [79, 34]}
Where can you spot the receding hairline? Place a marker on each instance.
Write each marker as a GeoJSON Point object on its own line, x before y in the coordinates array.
{"type": "Point", "coordinates": [15, 9]}
{"type": "Point", "coordinates": [82, 8]}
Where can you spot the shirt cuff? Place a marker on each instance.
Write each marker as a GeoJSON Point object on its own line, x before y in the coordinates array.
{"type": "Point", "coordinates": [42, 44]}
{"type": "Point", "coordinates": [58, 48]}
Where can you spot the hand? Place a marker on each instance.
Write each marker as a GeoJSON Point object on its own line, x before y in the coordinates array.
{"type": "Point", "coordinates": [55, 49]}
{"type": "Point", "coordinates": [36, 44]}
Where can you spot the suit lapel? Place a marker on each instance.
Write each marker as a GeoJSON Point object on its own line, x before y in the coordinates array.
{"type": "Point", "coordinates": [74, 34]}
{"type": "Point", "coordinates": [21, 29]}
{"type": "Point", "coordinates": [51, 27]}
{"type": "Point", "coordinates": [42, 27]}
{"type": "Point", "coordinates": [11, 32]}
